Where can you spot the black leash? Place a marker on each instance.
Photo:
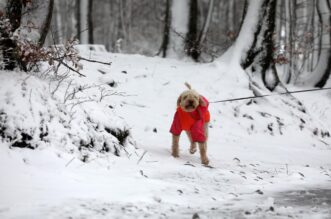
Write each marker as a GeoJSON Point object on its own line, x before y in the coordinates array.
{"type": "Point", "coordinates": [268, 95]}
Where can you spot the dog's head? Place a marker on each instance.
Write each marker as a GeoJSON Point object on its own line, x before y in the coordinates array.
{"type": "Point", "coordinates": [189, 100]}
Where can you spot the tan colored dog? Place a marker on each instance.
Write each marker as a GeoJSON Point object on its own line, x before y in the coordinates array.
{"type": "Point", "coordinates": [192, 115]}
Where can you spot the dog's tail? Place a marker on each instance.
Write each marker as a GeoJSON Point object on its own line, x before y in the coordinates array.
{"type": "Point", "coordinates": [188, 85]}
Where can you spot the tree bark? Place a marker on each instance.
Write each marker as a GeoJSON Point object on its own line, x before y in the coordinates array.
{"type": "Point", "coordinates": [78, 18]}
{"type": "Point", "coordinates": [58, 22]}
{"type": "Point", "coordinates": [46, 25]}
{"type": "Point", "coordinates": [178, 28]}
{"type": "Point", "coordinates": [90, 22]}
{"type": "Point", "coordinates": [181, 39]}
{"type": "Point", "coordinates": [323, 69]}
{"type": "Point", "coordinates": [259, 57]}
{"type": "Point", "coordinates": [166, 30]}
{"type": "Point", "coordinates": [83, 21]}
{"type": "Point", "coordinates": [192, 42]}
{"type": "Point", "coordinates": [204, 31]}
{"type": "Point", "coordinates": [14, 14]}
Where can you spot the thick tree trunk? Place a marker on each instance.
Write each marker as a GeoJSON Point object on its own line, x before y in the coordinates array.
{"type": "Point", "coordinates": [258, 60]}
{"type": "Point", "coordinates": [166, 31]}
{"type": "Point", "coordinates": [83, 21]}
{"type": "Point", "coordinates": [46, 25]}
{"type": "Point", "coordinates": [182, 37]}
{"type": "Point", "coordinates": [244, 14]}
{"type": "Point", "coordinates": [90, 22]}
{"type": "Point", "coordinates": [178, 28]}
{"type": "Point", "coordinates": [78, 18]}
{"type": "Point", "coordinates": [58, 22]}
{"type": "Point", "coordinates": [192, 42]}
{"type": "Point", "coordinates": [204, 31]}
{"type": "Point", "coordinates": [322, 72]}
{"type": "Point", "coordinates": [14, 14]}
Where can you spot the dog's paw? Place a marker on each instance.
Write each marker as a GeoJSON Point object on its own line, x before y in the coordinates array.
{"type": "Point", "coordinates": [175, 154]}
{"type": "Point", "coordinates": [205, 161]}
{"type": "Point", "coordinates": [193, 150]}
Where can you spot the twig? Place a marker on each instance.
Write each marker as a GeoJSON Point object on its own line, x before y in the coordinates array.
{"type": "Point", "coordinates": [95, 61]}
{"type": "Point", "coordinates": [142, 156]}
{"type": "Point", "coordinates": [286, 169]}
{"type": "Point", "coordinates": [70, 162]}
{"type": "Point", "coordinates": [72, 69]}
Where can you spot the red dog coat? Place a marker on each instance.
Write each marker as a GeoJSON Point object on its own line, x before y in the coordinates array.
{"type": "Point", "coordinates": [193, 122]}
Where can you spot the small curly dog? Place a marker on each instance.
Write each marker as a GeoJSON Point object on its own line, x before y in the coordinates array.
{"type": "Point", "coordinates": [192, 115]}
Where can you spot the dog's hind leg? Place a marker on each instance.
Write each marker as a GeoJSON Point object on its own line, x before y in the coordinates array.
{"type": "Point", "coordinates": [193, 146]}
{"type": "Point", "coordinates": [203, 153]}
{"type": "Point", "coordinates": [175, 146]}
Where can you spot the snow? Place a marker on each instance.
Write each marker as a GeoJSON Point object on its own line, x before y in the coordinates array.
{"type": "Point", "coordinates": [261, 152]}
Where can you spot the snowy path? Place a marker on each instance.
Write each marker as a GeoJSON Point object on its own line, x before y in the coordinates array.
{"type": "Point", "coordinates": [252, 174]}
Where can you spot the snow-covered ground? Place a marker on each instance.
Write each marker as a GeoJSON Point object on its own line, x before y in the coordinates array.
{"type": "Point", "coordinates": [269, 157]}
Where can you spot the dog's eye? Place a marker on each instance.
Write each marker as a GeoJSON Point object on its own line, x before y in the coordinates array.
{"type": "Point", "coordinates": [184, 97]}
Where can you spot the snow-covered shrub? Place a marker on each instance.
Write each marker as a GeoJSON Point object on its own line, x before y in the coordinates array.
{"type": "Point", "coordinates": [37, 113]}
{"type": "Point", "coordinates": [29, 54]}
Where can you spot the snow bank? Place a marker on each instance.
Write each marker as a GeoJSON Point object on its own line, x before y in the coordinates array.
{"type": "Point", "coordinates": [59, 112]}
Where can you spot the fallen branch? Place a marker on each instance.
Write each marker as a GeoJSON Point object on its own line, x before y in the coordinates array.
{"type": "Point", "coordinates": [94, 61]}
{"type": "Point", "coordinates": [70, 162]}
{"type": "Point", "coordinates": [142, 156]}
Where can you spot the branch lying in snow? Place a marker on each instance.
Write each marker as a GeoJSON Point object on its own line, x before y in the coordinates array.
{"type": "Point", "coordinates": [70, 162]}
{"type": "Point", "coordinates": [94, 61]}
{"type": "Point", "coordinates": [142, 156]}
{"type": "Point", "coordinates": [70, 68]}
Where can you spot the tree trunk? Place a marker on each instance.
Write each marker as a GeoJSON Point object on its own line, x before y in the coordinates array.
{"type": "Point", "coordinates": [322, 72]}
{"type": "Point", "coordinates": [178, 28]}
{"type": "Point", "coordinates": [14, 14]}
{"type": "Point", "coordinates": [83, 21]}
{"type": "Point", "coordinates": [258, 60]}
{"type": "Point", "coordinates": [204, 31]}
{"type": "Point", "coordinates": [191, 41]}
{"type": "Point", "coordinates": [166, 30]}
{"type": "Point", "coordinates": [58, 22]}
{"type": "Point", "coordinates": [90, 22]}
{"type": "Point", "coordinates": [182, 38]}
{"type": "Point", "coordinates": [46, 25]}
{"type": "Point", "coordinates": [78, 19]}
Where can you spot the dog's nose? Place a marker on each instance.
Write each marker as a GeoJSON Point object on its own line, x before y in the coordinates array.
{"type": "Point", "coordinates": [190, 102]}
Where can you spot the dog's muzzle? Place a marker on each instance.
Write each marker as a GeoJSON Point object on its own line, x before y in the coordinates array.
{"type": "Point", "coordinates": [190, 105]}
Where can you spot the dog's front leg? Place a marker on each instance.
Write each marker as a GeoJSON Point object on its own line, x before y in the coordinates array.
{"type": "Point", "coordinates": [175, 146]}
{"type": "Point", "coordinates": [193, 146]}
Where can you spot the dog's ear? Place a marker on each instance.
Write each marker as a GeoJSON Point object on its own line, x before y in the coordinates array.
{"type": "Point", "coordinates": [178, 100]}
{"type": "Point", "coordinates": [202, 102]}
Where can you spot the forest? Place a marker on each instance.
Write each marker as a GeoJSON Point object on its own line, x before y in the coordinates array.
{"type": "Point", "coordinates": [95, 97]}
